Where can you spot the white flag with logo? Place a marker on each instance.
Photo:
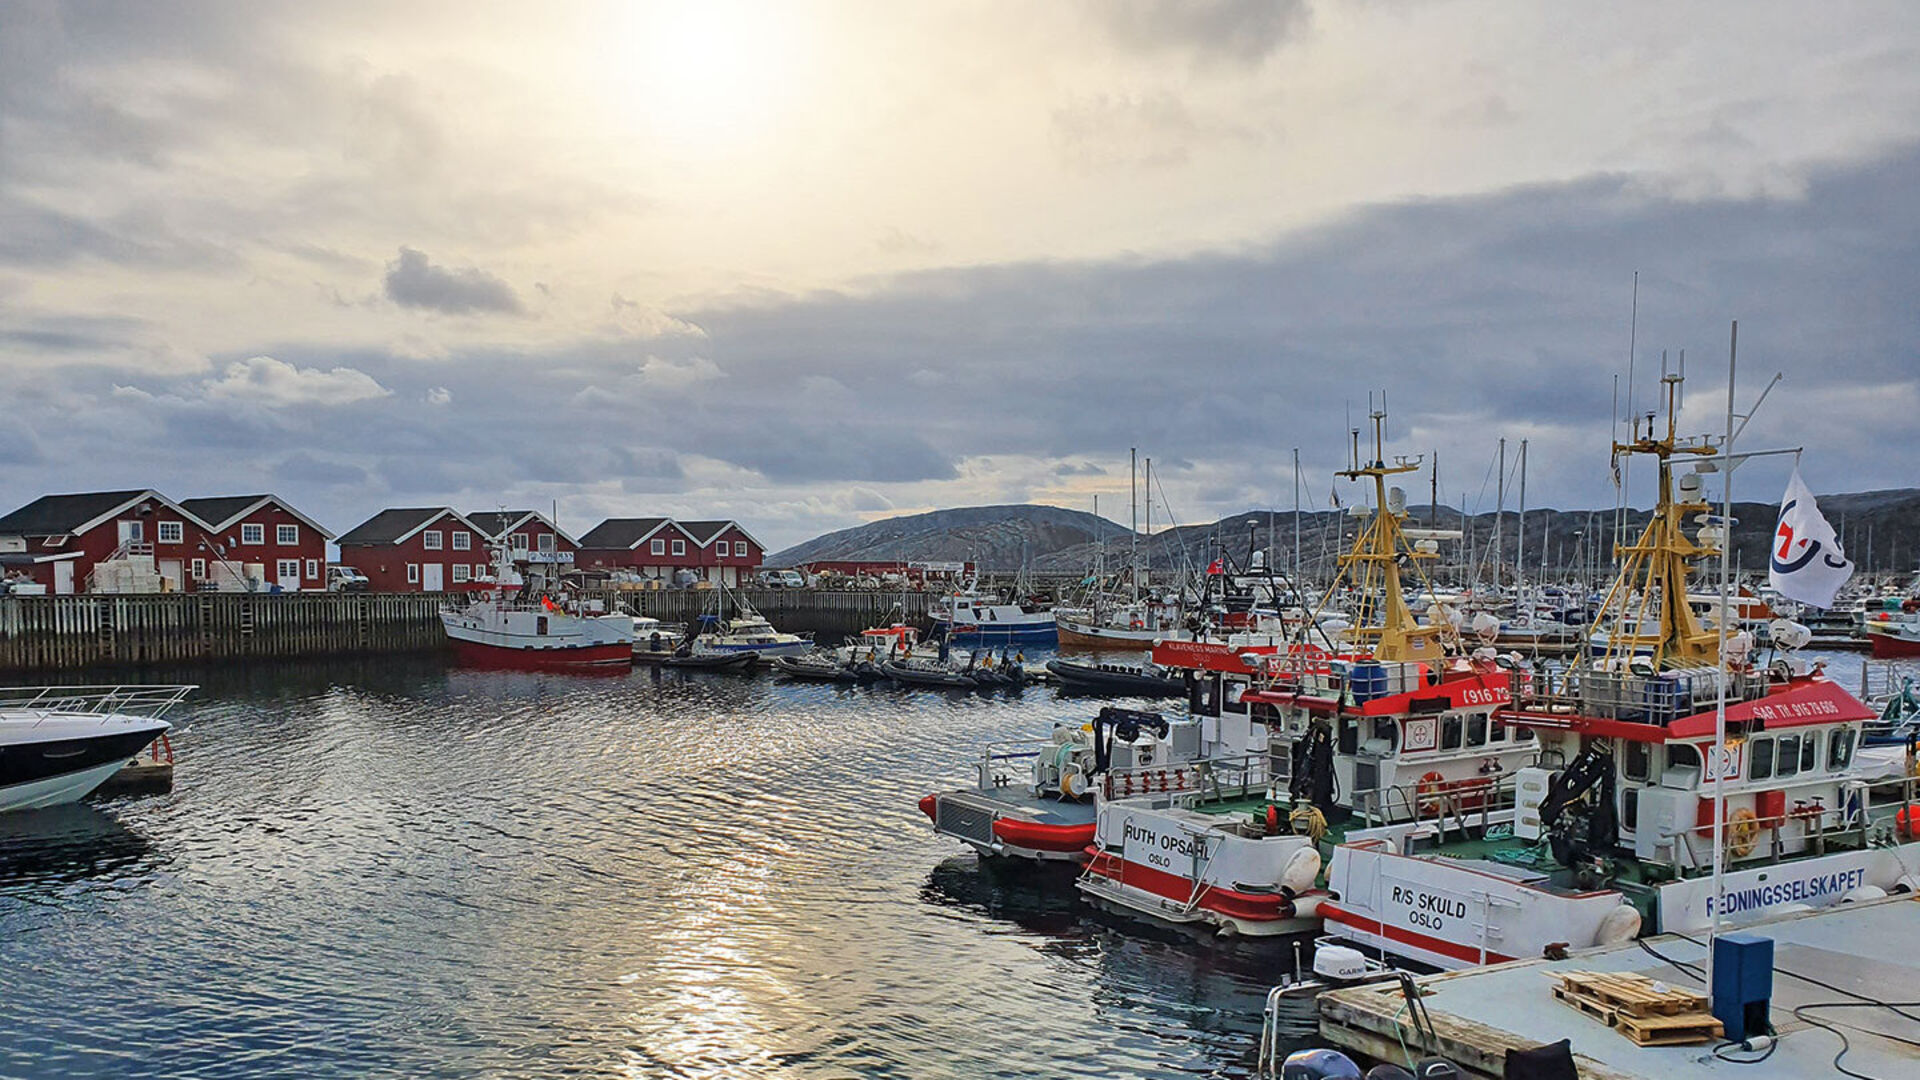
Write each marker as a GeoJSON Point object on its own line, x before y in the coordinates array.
{"type": "Point", "coordinates": [1805, 563]}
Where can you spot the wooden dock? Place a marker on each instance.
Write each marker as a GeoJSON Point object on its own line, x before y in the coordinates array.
{"type": "Point", "coordinates": [1624, 1027]}
{"type": "Point", "coordinates": [46, 633]}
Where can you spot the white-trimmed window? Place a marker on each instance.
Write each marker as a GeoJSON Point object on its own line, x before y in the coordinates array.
{"type": "Point", "coordinates": [520, 541]}
{"type": "Point", "coordinates": [479, 571]}
{"type": "Point", "coordinates": [659, 547]}
{"type": "Point", "coordinates": [286, 569]}
{"type": "Point", "coordinates": [413, 573]}
{"type": "Point", "coordinates": [286, 535]}
{"type": "Point", "coordinates": [740, 548]}
{"type": "Point", "coordinates": [679, 547]}
{"type": "Point", "coordinates": [546, 542]}
{"type": "Point", "coordinates": [253, 534]}
{"type": "Point", "coordinates": [462, 541]}
{"type": "Point", "coordinates": [313, 569]}
{"type": "Point", "coordinates": [459, 573]}
{"type": "Point", "coordinates": [171, 532]}
{"type": "Point", "coordinates": [199, 570]}
{"type": "Point", "coordinates": [432, 539]}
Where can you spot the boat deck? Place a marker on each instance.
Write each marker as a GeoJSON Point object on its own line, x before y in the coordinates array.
{"type": "Point", "coordinates": [1478, 1014]}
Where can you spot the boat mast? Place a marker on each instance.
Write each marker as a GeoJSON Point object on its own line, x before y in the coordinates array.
{"type": "Point", "coordinates": [1147, 490]}
{"type": "Point", "coordinates": [1296, 519]}
{"type": "Point", "coordinates": [1499, 513]}
{"type": "Point", "coordinates": [1133, 521]}
{"type": "Point", "coordinates": [1375, 561]}
{"type": "Point", "coordinates": [1520, 526]}
{"type": "Point", "coordinates": [1720, 707]}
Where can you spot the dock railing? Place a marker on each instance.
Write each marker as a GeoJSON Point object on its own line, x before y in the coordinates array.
{"type": "Point", "coordinates": [127, 700]}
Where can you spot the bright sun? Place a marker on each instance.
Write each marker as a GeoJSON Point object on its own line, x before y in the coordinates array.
{"type": "Point", "coordinates": [695, 74]}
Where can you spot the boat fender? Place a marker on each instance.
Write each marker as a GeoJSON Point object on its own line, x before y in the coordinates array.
{"type": "Point", "coordinates": [1273, 820]}
{"type": "Point", "coordinates": [1319, 1065]}
{"type": "Point", "coordinates": [1907, 820]}
{"type": "Point", "coordinates": [1301, 870]}
{"type": "Point", "coordinates": [929, 804]}
{"type": "Point", "coordinates": [1308, 906]}
{"type": "Point", "coordinates": [1620, 925]}
{"type": "Point", "coordinates": [1864, 893]}
{"type": "Point", "coordinates": [1907, 884]}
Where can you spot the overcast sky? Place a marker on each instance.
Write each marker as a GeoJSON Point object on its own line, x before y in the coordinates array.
{"type": "Point", "coordinates": [809, 264]}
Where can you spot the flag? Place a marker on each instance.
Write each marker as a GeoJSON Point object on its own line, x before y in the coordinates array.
{"type": "Point", "coordinates": [1216, 567]}
{"type": "Point", "coordinates": [1805, 563]}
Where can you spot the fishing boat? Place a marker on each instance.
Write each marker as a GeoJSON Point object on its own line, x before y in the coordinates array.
{"type": "Point", "coordinates": [1894, 633]}
{"type": "Point", "coordinates": [1125, 625]}
{"type": "Point", "coordinates": [57, 743]}
{"type": "Point", "coordinates": [1034, 799]}
{"type": "Point", "coordinates": [1139, 680]}
{"type": "Point", "coordinates": [745, 632]}
{"type": "Point", "coordinates": [527, 621]}
{"type": "Point", "coordinates": [1636, 799]}
{"type": "Point", "coordinates": [969, 617]}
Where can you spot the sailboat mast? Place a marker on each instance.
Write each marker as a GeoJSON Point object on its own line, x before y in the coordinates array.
{"type": "Point", "coordinates": [1133, 521]}
{"type": "Point", "coordinates": [1499, 512]}
{"type": "Point", "coordinates": [1520, 527]}
{"type": "Point", "coordinates": [1148, 492]}
{"type": "Point", "coordinates": [1296, 518]}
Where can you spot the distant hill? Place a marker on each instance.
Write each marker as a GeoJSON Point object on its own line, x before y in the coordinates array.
{"type": "Point", "coordinates": [994, 537]}
{"type": "Point", "coordinates": [1881, 530]}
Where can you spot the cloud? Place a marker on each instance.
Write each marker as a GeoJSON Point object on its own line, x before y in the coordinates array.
{"type": "Point", "coordinates": [1237, 32]}
{"type": "Point", "coordinates": [1151, 131]}
{"type": "Point", "coordinates": [661, 372]}
{"type": "Point", "coordinates": [303, 469]}
{"type": "Point", "coordinates": [437, 396]}
{"type": "Point", "coordinates": [413, 281]}
{"type": "Point", "coordinates": [278, 383]}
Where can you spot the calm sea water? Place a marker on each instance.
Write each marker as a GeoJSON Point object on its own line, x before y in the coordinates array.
{"type": "Point", "coordinates": [400, 869]}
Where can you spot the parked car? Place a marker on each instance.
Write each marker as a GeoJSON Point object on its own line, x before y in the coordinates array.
{"type": "Point", "coordinates": [783, 579]}
{"type": "Point", "coordinates": [346, 579]}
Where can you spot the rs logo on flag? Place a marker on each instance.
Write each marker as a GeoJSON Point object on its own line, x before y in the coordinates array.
{"type": "Point", "coordinates": [1806, 563]}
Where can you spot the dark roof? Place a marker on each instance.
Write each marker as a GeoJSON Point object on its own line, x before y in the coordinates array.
{"type": "Point", "coordinates": [703, 532]}
{"type": "Point", "coordinates": [388, 526]}
{"type": "Point", "coordinates": [615, 533]}
{"type": "Point", "coordinates": [217, 512]}
{"type": "Point", "coordinates": [495, 522]}
{"type": "Point", "coordinates": [51, 515]}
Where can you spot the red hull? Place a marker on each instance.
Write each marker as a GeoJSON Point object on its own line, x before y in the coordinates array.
{"type": "Point", "coordinates": [576, 658]}
{"type": "Point", "coordinates": [1888, 647]}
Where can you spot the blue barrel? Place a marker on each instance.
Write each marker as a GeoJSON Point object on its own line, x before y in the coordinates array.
{"type": "Point", "coordinates": [1369, 681]}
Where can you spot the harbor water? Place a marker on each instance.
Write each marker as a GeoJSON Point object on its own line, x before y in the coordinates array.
{"type": "Point", "coordinates": [401, 869]}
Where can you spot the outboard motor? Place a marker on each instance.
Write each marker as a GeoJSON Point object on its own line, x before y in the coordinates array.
{"type": "Point", "coordinates": [1319, 1065]}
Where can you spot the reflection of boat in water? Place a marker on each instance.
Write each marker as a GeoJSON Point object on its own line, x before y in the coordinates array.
{"type": "Point", "coordinates": [57, 743]}
{"type": "Point", "coordinates": [1038, 898]}
{"type": "Point", "coordinates": [63, 845]}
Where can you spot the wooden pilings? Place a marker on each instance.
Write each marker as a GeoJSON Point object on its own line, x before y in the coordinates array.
{"type": "Point", "coordinates": [54, 632]}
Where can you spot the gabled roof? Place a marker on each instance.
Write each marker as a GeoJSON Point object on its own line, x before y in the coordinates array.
{"type": "Point", "coordinates": [498, 523]}
{"type": "Point", "coordinates": [398, 526]}
{"type": "Point", "coordinates": [53, 515]}
{"type": "Point", "coordinates": [703, 532]}
{"type": "Point", "coordinates": [624, 533]}
{"type": "Point", "coordinates": [222, 511]}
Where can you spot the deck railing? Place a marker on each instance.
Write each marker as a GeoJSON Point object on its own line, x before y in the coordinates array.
{"type": "Point", "coordinates": [129, 700]}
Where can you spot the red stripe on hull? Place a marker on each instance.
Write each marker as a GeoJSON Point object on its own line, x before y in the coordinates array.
{"type": "Point", "coordinates": [1244, 906]}
{"type": "Point", "coordinates": [612, 657]}
{"type": "Point", "coordinates": [1334, 914]}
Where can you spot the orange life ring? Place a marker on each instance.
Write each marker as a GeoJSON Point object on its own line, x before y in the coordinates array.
{"type": "Point", "coordinates": [1428, 791]}
{"type": "Point", "coordinates": [1743, 832]}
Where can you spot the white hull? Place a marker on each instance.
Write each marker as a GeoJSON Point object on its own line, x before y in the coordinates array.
{"type": "Point", "coordinates": [57, 790]}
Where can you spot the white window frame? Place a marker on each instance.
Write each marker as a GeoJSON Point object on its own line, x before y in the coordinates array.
{"type": "Point", "coordinates": [253, 533]}
{"type": "Point", "coordinates": [679, 547]}
{"type": "Point", "coordinates": [548, 542]}
{"type": "Point", "coordinates": [433, 540]}
{"type": "Point", "coordinates": [479, 571]}
{"type": "Point", "coordinates": [740, 549]}
{"type": "Point", "coordinates": [659, 546]}
{"type": "Point", "coordinates": [313, 569]}
{"type": "Point", "coordinates": [462, 541]}
{"type": "Point", "coordinates": [413, 573]}
{"type": "Point", "coordinates": [170, 532]}
{"type": "Point", "coordinates": [519, 541]}
{"type": "Point", "coordinates": [280, 567]}
{"type": "Point", "coordinates": [286, 535]}
{"type": "Point", "coordinates": [461, 573]}
{"type": "Point", "coordinates": [198, 568]}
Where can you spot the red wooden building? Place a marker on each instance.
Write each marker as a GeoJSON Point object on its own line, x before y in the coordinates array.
{"type": "Point", "coordinates": [423, 549]}
{"type": "Point", "coordinates": [657, 547]}
{"type": "Point", "coordinates": [289, 546]}
{"type": "Point", "coordinates": [525, 530]}
{"type": "Point", "coordinates": [57, 540]}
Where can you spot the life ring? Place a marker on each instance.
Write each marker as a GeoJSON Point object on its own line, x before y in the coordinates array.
{"type": "Point", "coordinates": [1428, 792]}
{"type": "Point", "coordinates": [1743, 832]}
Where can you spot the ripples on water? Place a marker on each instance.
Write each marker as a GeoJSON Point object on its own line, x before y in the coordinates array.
{"type": "Point", "coordinates": [402, 870]}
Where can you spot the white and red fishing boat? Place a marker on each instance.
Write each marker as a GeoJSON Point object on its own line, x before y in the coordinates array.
{"type": "Point", "coordinates": [528, 622]}
{"type": "Point", "coordinates": [1893, 635]}
{"type": "Point", "coordinates": [1677, 784]}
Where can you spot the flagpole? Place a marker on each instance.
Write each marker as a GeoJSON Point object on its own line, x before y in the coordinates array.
{"type": "Point", "coordinates": [1720, 708]}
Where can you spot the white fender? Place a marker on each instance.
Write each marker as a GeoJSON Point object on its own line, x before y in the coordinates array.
{"type": "Point", "coordinates": [1907, 884]}
{"type": "Point", "coordinates": [1302, 869]}
{"type": "Point", "coordinates": [1308, 906]}
{"type": "Point", "coordinates": [1864, 892]}
{"type": "Point", "coordinates": [1622, 924]}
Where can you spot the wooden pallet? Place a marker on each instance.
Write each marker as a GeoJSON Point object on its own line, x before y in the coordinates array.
{"type": "Point", "coordinates": [1649, 1015]}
